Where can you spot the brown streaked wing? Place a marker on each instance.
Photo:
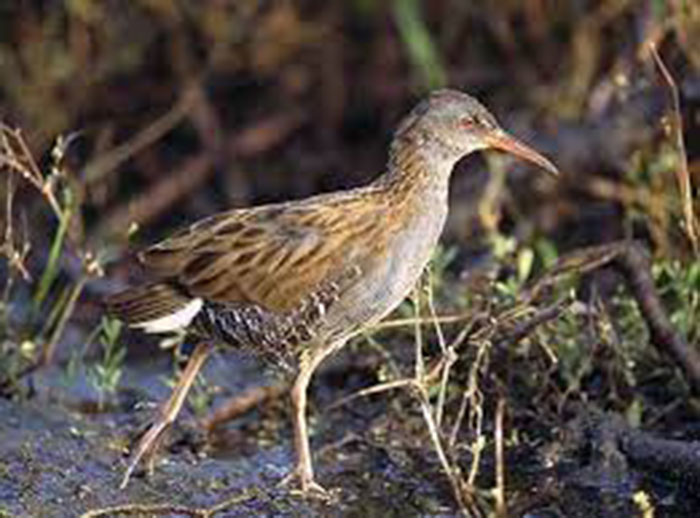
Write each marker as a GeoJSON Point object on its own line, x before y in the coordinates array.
{"type": "Point", "coordinates": [273, 255]}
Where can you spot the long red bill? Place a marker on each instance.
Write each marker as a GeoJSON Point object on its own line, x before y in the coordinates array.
{"type": "Point", "coordinates": [499, 139]}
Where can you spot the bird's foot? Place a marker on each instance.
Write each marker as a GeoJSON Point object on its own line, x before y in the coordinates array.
{"type": "Point", "coordinates": [301, 482]}
{"type": "Point", "coordinates": [146, 447]}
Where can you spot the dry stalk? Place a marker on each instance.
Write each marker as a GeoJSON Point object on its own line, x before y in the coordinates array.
{"type": "Point", "coordinates": [675, 129]}
{"type": "Point", "coordinates": [111, 160]}
{"type": "Point", "coordinates": [50, 345]}
{"type": "Point", "coordinates": [472, 399]}
{"type": "Point", "coordinates": [447, 353]}
{"type": "Point", "coordinates": [500, 489]}
{"type": "Point", "coordinates": [418, 335]}
{"type": "Point", "coordinates": [239, 405]}
{"type": "Point", "coordinates": [145, 510]}
{"type": "Point", "coordinates": [476, 414]}
{"type": "Point", "coordinates": [418, 386]}
{"type": "Point", "coordinates": [140, 510]}
{"type": "Point", "coordinates": [15, 255]}
{"type": "Point", "coordinates": [412, 321]}
{"type": "Point", "coordinates": [420, 391]}
{"type": "Point", "coordinates": [434, 432]}
{"type": "Point", "coordinates": [16, 158]}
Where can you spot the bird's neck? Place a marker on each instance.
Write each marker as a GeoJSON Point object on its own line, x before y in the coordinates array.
{"type": "Point", "coordinates": [417, 166]}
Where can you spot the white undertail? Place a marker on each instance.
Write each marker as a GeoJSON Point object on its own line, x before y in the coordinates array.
{"type": "Point", "coordinates": [175, 321]}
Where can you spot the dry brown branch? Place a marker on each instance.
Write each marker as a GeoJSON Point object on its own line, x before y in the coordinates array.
{"type": "Point", "coordinates": [440, 319]}
{"type": "Point", "coordinates": [16, 157]}
{"type": "Point", "coordinates": [155, 200]}
{"type": "Point", "coordinates": [239, 405]}
{"type": "Point", "coordinates": [634, 262]}
{"type": "Point", "coordinates": [681, 459]}
{"type": "Point", "coordinates": [144, 510]}
{"type": "Point", "coordinates": [140, 510]}
{"type": "Point", "coordinates": [631, 258]}
{"type": "Point", "coordinates": [194, 172]}
{"type": "Point", "coordinates": [522, 329]}
{"type": "Point", "coordinates": [111, 160]}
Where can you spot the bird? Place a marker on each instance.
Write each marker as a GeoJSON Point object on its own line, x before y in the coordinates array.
{"type": "Point", "coordinates": [294, 281]}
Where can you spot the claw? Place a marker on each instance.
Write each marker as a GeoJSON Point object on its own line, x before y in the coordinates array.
{"type": "Point", "coordinates": [147, 445]}
{"type": "Point", "coordinates": [302, 483]}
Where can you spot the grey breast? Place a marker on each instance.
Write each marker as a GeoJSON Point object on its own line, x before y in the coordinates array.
{"type": "Point", "coordinates": [386, 281]}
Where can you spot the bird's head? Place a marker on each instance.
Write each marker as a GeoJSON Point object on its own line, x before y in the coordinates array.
{"type": "Point", "coordinates": [455, 124]}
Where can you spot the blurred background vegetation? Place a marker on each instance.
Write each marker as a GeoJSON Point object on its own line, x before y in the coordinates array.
{"type": "Point", "coordinates": [147, 114]}
{"type": "Point", "coordinates": [169, 111]}
{"type": "Point", "coordinates": [182, 108]}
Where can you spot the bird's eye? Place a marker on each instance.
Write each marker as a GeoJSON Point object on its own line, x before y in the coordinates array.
{"type": "Point", "coordinates": [467, 122]}
{"type": "Point", "coordinates": [484, 122]}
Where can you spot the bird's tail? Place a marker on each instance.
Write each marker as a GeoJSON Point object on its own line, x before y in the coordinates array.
{"type": "Point", "coordinates": [157, 308]}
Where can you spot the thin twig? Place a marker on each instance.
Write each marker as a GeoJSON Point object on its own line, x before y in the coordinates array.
{"type": "Point", "coordinates": [682, 174]}
{"type": "Point", "coordinates": [14, 257]}
{"type": "Point", "coordinates": [260, 136]}
{"type": "Point", "coordinates": [635, 264]}
{"type": "Point", "coordinates": [145, 510]}
{"type": "Point", "coordinates": [433, 314]}
{"type": "Point", "coordinates": [418, 335]}
{"type": "Point", "coordinates": [476, 414]}
{"type": "Point", "coordinates": [229, 502]}
{"type": "Point", "coordinates": [412, 321]}
{"type": "Point", "coordinates": [112, 159]}
{"type": "Point", "coordinates": [169, 509]}
{"type": "Point", "coordinates": [242, 403]}
{"type": "Point", "coordinates": [374, 389]}
{"type": "Point", "coordinates": [447, 353]}
{"type": "Point", "coordinates": [33, 173]}
{"type": "Point", "coordinates": [434, 433]}
{"type": "Point", "coordinates": [500, 489]}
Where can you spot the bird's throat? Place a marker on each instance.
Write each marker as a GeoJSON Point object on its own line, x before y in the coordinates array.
{"type": "Point", "coordinates": [417, 171]}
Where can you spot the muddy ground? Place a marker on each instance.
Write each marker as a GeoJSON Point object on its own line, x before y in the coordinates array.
{"type": "Point", "coordinates": [62, 459]}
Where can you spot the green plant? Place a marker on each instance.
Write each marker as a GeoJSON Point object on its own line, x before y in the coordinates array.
{"type": "Point", "coordinates": [29, 338]}
{"type": "Point", "coordinates": [419, 43]}
{"type": "Point", "coordinates": [105, 375]}
{"type": "Point", "coordinates": [679, 286]}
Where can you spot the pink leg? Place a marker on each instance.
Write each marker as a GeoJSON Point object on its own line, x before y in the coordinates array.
{"type": "Point", "coordinates": [303, 472]}
{"type": "Point", "coordinates": [168, 411]}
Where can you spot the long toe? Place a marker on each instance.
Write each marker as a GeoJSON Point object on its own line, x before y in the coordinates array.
{"type": "Point", "coordinates": [315, 490]}
{"type": "Point", "coordinates": [305, 486]}
{"type": "Point", "coordinates": [146, 447]}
